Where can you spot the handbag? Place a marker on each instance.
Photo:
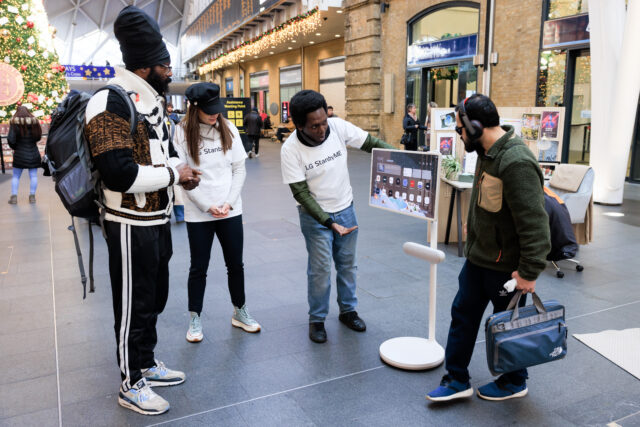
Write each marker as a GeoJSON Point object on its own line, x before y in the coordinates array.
{"type": "Point", "coordinates": [405, 138]}
{"type": "Point", "coordinates": [520, 337]}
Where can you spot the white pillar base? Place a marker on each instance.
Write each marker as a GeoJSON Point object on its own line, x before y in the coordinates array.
{"type": "Point", "coordinates": [412, 353]}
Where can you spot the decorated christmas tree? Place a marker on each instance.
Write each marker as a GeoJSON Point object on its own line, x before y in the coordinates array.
{"type": "Point", "coordinates": [28, 60]}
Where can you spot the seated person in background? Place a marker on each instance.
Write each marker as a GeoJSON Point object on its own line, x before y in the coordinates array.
{"type": "Point", "coordinates": [330, 112]}
{"type": "Point", "coordinates": [266, 122]}
{"type": "Point", "coordinates": [285, 128]}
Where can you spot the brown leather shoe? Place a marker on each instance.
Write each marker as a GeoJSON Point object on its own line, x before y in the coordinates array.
{"type": "Point", "coordinates": [32, 198]}
{"type": "Point", "coordinates": [13, 200]}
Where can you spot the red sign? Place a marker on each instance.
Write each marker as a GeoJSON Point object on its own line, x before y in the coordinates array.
{"type": "Point", "coordinates": [11, 85]}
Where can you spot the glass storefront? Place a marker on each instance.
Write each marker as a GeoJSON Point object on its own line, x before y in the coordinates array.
{"type": "Point", "coordinates": [564, 77]}
{"type": "Point", "coordinates": [442, 43]}
{"type": "Point", "coordinates": [290, 82]}
{"type": "Point", "coordinates": [259, 90]}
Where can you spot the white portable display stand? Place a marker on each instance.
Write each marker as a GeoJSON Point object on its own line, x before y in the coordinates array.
{"type": "Point", "coordinates": [415, 353]}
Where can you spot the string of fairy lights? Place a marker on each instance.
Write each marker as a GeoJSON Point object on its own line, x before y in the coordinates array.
{"type": "Point", "coordinates": [299, 25]}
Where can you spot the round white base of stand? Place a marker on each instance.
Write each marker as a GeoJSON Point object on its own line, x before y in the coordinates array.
{"type": "Point", "coordinates": [412, 353]}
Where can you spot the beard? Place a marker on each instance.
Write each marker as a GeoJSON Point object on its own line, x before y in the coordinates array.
{"type": "Point", "coordinates": [471, 146]}
{"type": "Point", "coordinates": [158, 82]}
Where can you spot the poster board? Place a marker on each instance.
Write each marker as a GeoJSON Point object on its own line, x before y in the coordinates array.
{"type": "Point", "coordinates": [443, 131]}
{"type": "Point", "coordinates": [541, 128]}
{"type": "Point", "coordinates": [405, 182]}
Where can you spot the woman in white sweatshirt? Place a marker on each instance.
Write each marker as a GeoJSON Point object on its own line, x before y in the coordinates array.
{"type": "Point", "coordinates": [209, 142]}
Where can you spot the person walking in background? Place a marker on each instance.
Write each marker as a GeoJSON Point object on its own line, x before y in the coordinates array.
{"type": "Point", "coordinates": [171, 114]}
{"type": "Point", "coordinates": [253, 126]}
{"type": "Point", "coordinates": [427, 123]}
{"type": "Point", "coordinates": [209, 142]}
{"type": "Point", "coordinates": [137, 174]}
{"type": "Point", "coordinates": [24, 134]}
{"type": "Point", "coordinates": [23, 137]}
{"type": "Point", "coordinates": [411, 126]}
{"type": "Point", "coordinates": [508, 237]}
{"type": "Point", "coordinates": [314, 164]}
{"type": "Point", "coordinates": [172, 120]}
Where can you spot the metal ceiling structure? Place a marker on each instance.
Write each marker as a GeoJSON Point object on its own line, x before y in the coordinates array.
{"type": "Point", "coordinates": [77, 19]}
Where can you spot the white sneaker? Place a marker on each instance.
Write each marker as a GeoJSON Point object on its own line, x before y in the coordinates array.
{"type": "Point", "coordinates": [242, 319]}
{"type": "Point", "coordinates": [194, 334]}
{"type": "Point", "coordinates": [142, 399]}
{"type": "Point", "coordinates": [160, 375]}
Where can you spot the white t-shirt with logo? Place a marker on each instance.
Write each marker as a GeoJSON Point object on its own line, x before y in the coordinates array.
{"type": "Point", "coordinates": [323, 167]}
{"type": "Point", "coordinates": [216, 168]}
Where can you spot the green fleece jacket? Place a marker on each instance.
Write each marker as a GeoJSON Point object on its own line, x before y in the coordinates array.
{"type": "Point", "coordinates": [508, 227]}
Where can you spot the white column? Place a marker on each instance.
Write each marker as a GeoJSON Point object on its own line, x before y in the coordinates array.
{"type": "Point", "coordinates": [615, 87]}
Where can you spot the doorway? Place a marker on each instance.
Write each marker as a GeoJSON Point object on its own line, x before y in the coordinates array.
{"type": "Point", "coordinates": [446, 85]}
{"type": "Point", "coordinates": [579, 96]}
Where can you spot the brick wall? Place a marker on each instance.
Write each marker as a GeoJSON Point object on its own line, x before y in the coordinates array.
{"type": "Point", "coordinates": [517, 41]}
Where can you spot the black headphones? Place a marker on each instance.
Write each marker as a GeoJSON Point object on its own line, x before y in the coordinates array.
{"type": "Point", "coordinates": [473, 127]}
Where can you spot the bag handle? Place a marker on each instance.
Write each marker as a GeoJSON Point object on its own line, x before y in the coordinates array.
{"type": "Point", "coordinates": [513, 305]}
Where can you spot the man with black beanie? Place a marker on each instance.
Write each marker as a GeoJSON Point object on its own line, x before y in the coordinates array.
{"type": "Point", "coordinates": [137, 176]}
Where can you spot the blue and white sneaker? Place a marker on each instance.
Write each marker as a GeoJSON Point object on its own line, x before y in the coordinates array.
{"type": "Point", "coordinates": [450, 389]}
{"type": "Point", "coordinates": [194, 334]}
{"type": "Point", "coordinates": [160, 375]}
{"type": "Point", "coordinates": [242, 319]}
{"type": "Point", "coordinates": [142, 399]}
{"type": "Point", "coordinates": [502, 389]}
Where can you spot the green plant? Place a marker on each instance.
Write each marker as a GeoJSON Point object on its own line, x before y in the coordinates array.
{"type": "Point", "coordinates": [451, 167]}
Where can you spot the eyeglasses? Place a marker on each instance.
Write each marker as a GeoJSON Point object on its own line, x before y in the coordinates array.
{"type": "Point", "coordinates": [167, 68]}
{"type": "Point", "coordinates": [459, 130]}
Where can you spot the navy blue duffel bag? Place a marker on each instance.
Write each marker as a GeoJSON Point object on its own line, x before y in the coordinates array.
{"type": "Point", "coordinates": [525, 336]}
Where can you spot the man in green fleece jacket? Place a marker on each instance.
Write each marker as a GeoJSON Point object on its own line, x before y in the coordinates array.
{"type": "Point", "coordinates": [314, 164]}
{"type": "Point", "coordinates": [508, 237]}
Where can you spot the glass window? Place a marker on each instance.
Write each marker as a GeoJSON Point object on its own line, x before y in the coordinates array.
{"type": "Point", "coordinates": [241, 84]}
{"type": "Point", "coordinates": [228, 85]}
{"type": "Point", "coordinates": [259, 80]}
{"type": "Point", "coordinates": [290, 82]}
{"type": "Point", "coordinates": [444, 24]}
{"type": "Point", "coordinates": [413, 89]}
{"type": "Point", "coordinates": [551, 79]}
{"type": "Point", "coordinates": [562, 8]}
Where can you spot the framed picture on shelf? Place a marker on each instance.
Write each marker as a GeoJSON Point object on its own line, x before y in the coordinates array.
{"type": "Point", "coordinates": [549, 124]}
{"type": "Point", "coordinates": [531, 126]}
{"type": "Point", "coordinates": [548, 151]}
{"type": "Point", "coordinates": [447, 143]}
{"type": "Point", "coordinates": [445, 119]}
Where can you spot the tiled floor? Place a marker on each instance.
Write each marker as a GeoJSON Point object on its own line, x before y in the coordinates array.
{"type": "Point", "coordinates": [57, 351]}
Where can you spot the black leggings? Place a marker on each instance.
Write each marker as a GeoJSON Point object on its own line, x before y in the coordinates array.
{"type": "Point", "coordinates": [230, 234]}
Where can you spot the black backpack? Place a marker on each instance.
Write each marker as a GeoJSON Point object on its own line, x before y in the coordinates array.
{"type": "Point", "coordinates": [68, 160]}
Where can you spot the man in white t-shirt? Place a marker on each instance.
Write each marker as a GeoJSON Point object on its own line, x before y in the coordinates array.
{"type": "Point", "coordinates": [314, 164]}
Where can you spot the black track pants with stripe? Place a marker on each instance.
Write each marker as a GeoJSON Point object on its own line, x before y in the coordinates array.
{"type": "Point", "coordinates": [139, 270]}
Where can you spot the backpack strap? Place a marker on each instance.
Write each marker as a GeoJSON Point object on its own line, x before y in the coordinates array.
{"type": "Point", "coordinates": [83, 276]}
{"type": "Point", "coordinates": [119, 90]}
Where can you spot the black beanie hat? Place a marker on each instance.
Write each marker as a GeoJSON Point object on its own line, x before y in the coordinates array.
{"type": "Point", "coordinates": [140, 39]}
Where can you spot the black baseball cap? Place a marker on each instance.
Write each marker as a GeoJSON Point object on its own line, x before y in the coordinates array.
{"type": "Point", "coordinates": [205, 96]}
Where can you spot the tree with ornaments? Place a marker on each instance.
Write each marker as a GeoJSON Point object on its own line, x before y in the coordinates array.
{"type": "Point", "coordinates": [28, 60]}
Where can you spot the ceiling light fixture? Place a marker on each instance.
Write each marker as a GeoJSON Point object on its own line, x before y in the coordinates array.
{"type": "Point", "coordinates": [318, 34]}
{"type": "Point", "coordinates": [311, 42]}
{"type": "Point", "coordinates": [339, 11]}
{"type": "Point", "coordinates": [337, 35]}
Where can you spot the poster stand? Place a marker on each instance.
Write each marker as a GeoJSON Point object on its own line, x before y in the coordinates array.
{"type": "Point", "coordinates": [408, 183]}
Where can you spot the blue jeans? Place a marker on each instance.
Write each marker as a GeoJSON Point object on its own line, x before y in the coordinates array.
{"type": "Point", "coordinates": [33, 180]}
{"type": "Point", "coordinates": [477, 286]}
{"type": "Point", "coordinates": [323, 245]}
